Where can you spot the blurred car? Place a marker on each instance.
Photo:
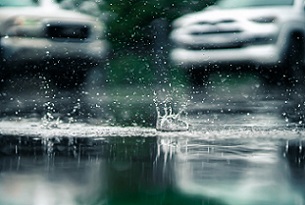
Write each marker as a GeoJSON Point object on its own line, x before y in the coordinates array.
{"type": "Point", "coordinates": [38, 35]}
{"type": "Point", "coordinates": [264, 35]}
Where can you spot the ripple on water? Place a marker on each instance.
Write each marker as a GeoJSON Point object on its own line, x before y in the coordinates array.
{"type": "Point", "coordinates": [35, 128]}
{"type": "Point", "coordinates": [234, 164]}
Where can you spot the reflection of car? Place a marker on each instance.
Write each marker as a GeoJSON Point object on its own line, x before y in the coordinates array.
{"type": "Point", "coordinates": [264, 34]}
{"type": "Point", "coordinates": [39, 34]}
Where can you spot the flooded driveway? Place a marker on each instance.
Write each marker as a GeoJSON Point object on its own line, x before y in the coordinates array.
{"type": "Point", "coordinates": [244, 145]}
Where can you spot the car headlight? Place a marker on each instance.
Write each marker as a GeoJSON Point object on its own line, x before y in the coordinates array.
{"type": "Point", "coordinates": [22, 26]}
{"type": "Point", "coordinates": [266, 19]}
{"type": "Point", "coordinates": [25, 21]}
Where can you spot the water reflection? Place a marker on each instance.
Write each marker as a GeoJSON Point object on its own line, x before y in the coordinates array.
{"type": "Point", "coordinates": [236, 171]}
{"type": "Point", "coordinates": [80, 171]}
{"type": "Point", "coordinates": [239, 148]}
{"type": "Point", "coordinates": [293, 153]}
{"type": "Point", "coordinates": [120, 170]}
{"type": "Point", "coordinates": [242, 166]}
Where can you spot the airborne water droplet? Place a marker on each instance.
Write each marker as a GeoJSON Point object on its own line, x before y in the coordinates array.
{"type": "Point", "coordinates": [167, 120]}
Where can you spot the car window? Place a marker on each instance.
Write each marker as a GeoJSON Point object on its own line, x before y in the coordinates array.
{"type": "Point", "coordinates": [252, 3]}
{"type": "Point", "coordinates": [5, 3]}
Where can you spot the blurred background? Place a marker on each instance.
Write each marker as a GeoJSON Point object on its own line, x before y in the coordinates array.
{"type": "Point", "coordinates": [242, 147]}
{"type": "Point", "coordinates": [131, 29]}
{"type": "Point", "coordinates": [121, 89]}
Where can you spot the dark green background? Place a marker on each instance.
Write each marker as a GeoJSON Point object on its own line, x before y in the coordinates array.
{"type": "Point", "coordinates": [130, 30]}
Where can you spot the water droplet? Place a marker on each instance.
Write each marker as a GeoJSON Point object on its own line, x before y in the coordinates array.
{"type": "Point", "coordinates": [167, 120]}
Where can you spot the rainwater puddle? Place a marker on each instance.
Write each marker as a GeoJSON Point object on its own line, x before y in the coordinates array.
{"type": "Point", "coordinates": [219, 148]}
{"type": "Point", "coordinates": [87, 164]}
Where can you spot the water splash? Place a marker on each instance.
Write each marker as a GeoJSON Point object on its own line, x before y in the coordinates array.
{"type": "Point", "coordinates": [75, 112]}
{"type": "Point", "coordinates": [167, 119]}
{"type": "Point", "coordinates": [49, 120]}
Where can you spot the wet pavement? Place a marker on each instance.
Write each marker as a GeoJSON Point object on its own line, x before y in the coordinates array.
{"type": "Point", "coordinates": [244, 145]}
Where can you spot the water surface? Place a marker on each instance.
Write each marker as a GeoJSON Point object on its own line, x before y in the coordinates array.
{"type": "Point", "coordinates": [244, 145]}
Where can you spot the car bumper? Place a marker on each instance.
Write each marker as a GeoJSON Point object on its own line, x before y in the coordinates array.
{"type": "Point", "coordinates": [264, 55]}
{"type": "Point", "coordinates": [28, 50]}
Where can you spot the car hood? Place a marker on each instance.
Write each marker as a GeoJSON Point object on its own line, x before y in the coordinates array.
{"type": "Point", "coordinates": [222, 15]}
{"type": "Point", "coordinates": [42, 13]}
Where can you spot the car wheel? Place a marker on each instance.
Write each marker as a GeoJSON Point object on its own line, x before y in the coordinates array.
{"type": "Point", "coordinates": [198, 76]}
{"type": "Point", "coordinates": [276, 76]}
{"type": "Point", "coordinates": [290, 73]}
{"type": "Point", "coordinates": [2, 71]}
{"type": "Point", "coordinates": [294, 63]}
{"type": "Point", "coordinates": [73, 79]}
{"type": "Point", "coordinates": [295, 92]}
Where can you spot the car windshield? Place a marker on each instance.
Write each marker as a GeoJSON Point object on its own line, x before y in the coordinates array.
{"type": "Point", "coordinates": [227, 4]}
{"type": "Point", "coordinates": [17, 3]}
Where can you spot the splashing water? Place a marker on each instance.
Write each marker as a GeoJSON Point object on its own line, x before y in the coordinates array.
{"type": "Point", "coordinates": [49, 120]}
{"type": "Point", "coordinates": [167, 120]}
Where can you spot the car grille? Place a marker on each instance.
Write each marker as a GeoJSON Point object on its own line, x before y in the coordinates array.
{"type": "Point", "coordinates": [225, 28]}
{"type": "Point", "coordinates": [215, 46]}
{"type": "Point", "coordinates": [223, 21]}
{"type": "Point", "coordinates": [197, 33]}
{"type": "Point", "coordinates": [67, 31]}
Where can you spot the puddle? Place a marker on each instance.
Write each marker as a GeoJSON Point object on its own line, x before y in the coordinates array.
{"type": "Point", "coordinates": [38, 129]}
{"type": "Point", "coordinates": [86, 164]}
{"type": "Point", "coordinates": [120, 149]}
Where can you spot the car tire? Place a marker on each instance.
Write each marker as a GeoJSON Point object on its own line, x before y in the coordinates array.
{"type": "Point", "coordinates": [294, 64]}
{"type": "Point", "coordinates": [276, 76]}
{"type": "Point", "coordinates": [295, 92]}
{"type": "Point", "coordinates": [2, 71]}
{"type": "Point", "coordinates": [73, 79]}
{"type": "Point", "coordinates": [290, 73]}
{"type": "Point", "coordinates": [198, 76]}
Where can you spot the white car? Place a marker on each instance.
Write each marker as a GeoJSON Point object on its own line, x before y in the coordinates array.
{"type": "Point", "coordinates": [40, 36]}
{"type": "Point", "coordinates": [266, 35]}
